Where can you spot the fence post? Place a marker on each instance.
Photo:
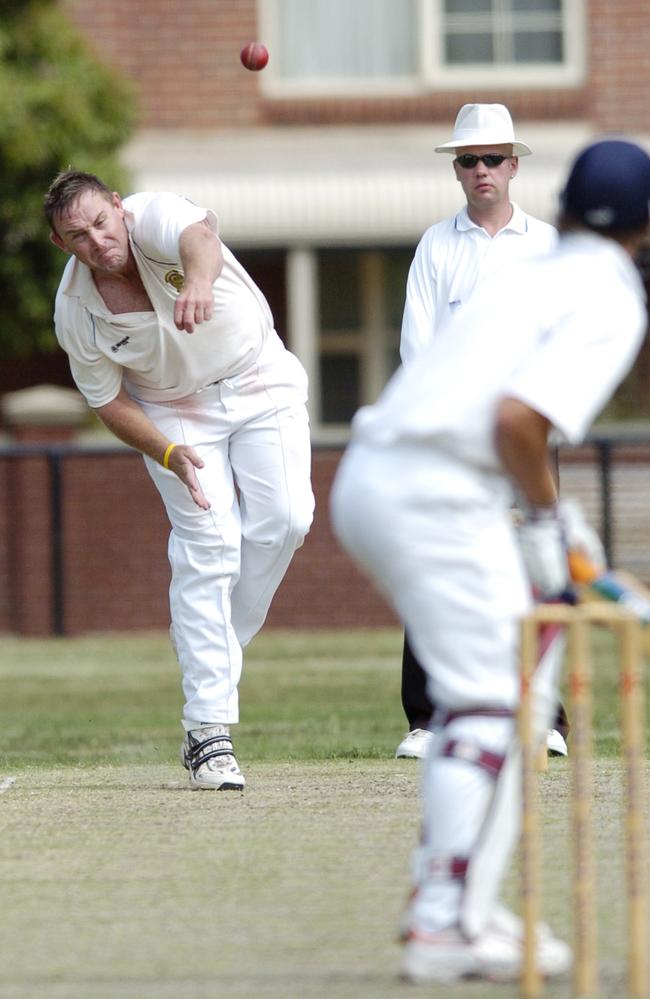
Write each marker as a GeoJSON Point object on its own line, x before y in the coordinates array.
{"type": "Point", "coordinates": [55, 457]}
{"type": "Point", "coordinates": [605, 465]}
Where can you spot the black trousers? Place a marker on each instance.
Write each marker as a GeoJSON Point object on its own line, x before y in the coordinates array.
{"type": "Point", "coordinates": [417, 705]}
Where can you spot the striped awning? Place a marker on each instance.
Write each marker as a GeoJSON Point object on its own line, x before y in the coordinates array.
{"type": "Point", "coordinates": [345, 185]}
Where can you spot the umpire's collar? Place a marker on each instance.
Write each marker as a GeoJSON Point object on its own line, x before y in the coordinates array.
{"type": "Point", "coordinates": [518, 221]}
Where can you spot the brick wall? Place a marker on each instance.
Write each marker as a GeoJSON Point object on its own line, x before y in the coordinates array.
{"type": "Point", "coordinates": [620, 73]}
{"type": "Point", "coordinates": [184, 59]}
{"type": "Point", "coordinates": [322, 588]}
{"type": "Point", "coordinates": [25, 589]}
{"type": "Point", "coordinates": [114, 553]}
{"type": "Point", "coordinates": [183, 56]}
{"type": "Point", "coordinates": [115, 545]}
{"type": "Point", "coordinates": [437, 106]}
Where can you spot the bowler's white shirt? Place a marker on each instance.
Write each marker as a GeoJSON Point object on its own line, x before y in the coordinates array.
{"type": "Point", "coordinates": [156, 361]}
{"type": "Point", "coordinates": [559, 333]}
{"type": "Point", "coordinates": [451, 259]}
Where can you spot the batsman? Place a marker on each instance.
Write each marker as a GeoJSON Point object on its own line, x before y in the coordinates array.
{"type": "Point", "coordinates": [422, 502]}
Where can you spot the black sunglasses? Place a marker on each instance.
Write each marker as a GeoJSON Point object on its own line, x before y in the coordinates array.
{"type": "Point", "coordinates": [468, 160]}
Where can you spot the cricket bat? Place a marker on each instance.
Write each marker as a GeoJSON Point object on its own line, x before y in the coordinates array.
{"type": "Point", "coordinates": [614, 584]}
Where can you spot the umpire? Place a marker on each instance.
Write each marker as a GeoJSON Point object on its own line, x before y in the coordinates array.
{"type": "Point", "coordinates": [489, 233]}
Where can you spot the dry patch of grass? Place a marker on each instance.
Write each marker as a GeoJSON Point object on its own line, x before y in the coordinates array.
{"type": "Point", "coordinates": [122, 883]}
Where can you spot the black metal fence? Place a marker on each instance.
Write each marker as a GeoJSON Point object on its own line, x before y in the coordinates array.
{"type": "Point", "coordinates": [603, 456]}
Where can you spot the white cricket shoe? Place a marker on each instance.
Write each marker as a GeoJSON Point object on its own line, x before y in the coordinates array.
{"type": "Point", "coordinates": [497, 955]}
{"type": "Point", "coordinates": [208, 755]}
{"type": "Point", "coordinates": [555, 743]}
{"type": "Point", "coordinates": [414, 745]}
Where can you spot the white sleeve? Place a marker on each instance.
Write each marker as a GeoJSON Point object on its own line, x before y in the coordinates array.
{"type": "Point", "coordinates": [99, 380]}
{"type": "Point", "coordinates": [580, 366]}
{"type": "Point", "coordinates": [419, 319]}
{"type": "Point", "coordinates": [97, 377]}
{"type": "Point", "coordinates": [159, 225]}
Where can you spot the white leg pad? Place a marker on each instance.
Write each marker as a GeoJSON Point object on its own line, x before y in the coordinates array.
{"type": "Point", "coordinates": [493, 847]}
{"type": "Point", "coordinates": [502, 823]}
{"type": "Point", "coordinates": [461, 788]}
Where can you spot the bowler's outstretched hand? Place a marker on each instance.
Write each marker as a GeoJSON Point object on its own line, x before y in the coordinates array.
{"type": "Point", "coordinates": [183, 461]}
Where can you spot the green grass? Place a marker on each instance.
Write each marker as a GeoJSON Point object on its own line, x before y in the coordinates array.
{"type": "Point", "coordinates": [109, 699]}
{"type": "Point", "coordinates": [606, 700]}
{"type": "Point", "coordinates": [116, 699]}
{"type": "Point", "coordinates": [120, 883]}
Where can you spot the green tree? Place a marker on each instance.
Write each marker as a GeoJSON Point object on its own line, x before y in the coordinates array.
{"type": "Point", "coordinates": [59, 107]}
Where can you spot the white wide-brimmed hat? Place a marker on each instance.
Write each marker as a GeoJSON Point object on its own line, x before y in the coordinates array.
{"type": "Point", "coordinates": [484, 125]}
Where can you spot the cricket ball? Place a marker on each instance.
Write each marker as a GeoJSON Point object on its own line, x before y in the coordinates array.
{"type": "Point", "coordinates": [254, 56]}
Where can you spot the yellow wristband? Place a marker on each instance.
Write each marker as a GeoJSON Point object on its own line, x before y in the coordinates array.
{"type": "Point", "coordinates": [165, 461]}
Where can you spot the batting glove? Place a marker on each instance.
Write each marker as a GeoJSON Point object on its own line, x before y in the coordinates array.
{"type": "Point", "coordinates": [543, 546]}
{"type": "Point", "coordinates": [580, 536]}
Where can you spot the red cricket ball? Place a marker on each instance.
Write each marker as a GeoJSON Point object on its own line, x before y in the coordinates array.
{"type": "Point", "coordinates": [254, 56]}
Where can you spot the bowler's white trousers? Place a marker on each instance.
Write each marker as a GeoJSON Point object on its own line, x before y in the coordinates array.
{"type": "Point", "coordinates": [252, 432]}
{"type": "Point", "coordinates": [436, 537]}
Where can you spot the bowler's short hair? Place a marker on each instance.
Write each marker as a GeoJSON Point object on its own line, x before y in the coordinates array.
{"type": "Point", "coordinates": [66, 188]}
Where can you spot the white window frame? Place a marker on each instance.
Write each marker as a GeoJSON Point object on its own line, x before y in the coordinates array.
{"type": "Point", "coordinates": [515, 75]}
{"type": "Point", "coordinates": [431, 73]}
{"type": "Point", "coordinates": [273, 85]}
{"type": "Point", "coordinates": [369, 343]}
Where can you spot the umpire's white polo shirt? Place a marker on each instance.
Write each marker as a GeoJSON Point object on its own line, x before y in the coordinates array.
{"type": "Point", "coordinates": [452, 258]}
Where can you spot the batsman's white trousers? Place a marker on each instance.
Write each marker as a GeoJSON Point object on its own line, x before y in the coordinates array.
{"type": "Point", "coordinates": [252, 432]}
{"type": "Point", "coordinates": [436, 538]}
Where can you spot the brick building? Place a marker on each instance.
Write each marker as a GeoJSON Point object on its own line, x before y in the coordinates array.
{"type": "Point", "coordinates": [322, 172]}
{"type": "Point", "coordinates": [321, 167]}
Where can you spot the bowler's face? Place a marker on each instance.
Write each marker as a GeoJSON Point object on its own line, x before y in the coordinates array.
{"type": "Point", "coordinates": [93, 229]}
{"type": "Point", "coordinates": [485, 186]}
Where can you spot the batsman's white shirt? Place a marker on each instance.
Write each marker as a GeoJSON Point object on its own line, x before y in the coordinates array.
{"type": "Point", "coordinates": [451, 259]}
{"type": "Point", "coordinates": [558, 332]}
{"type": "Point", "coordinates": [156, 361]}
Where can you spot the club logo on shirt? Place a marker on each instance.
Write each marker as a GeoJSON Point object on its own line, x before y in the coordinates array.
{"type": "Point", "coordinates": [175, 279]}
{"type": "Point", "coordinates": [120, 343]}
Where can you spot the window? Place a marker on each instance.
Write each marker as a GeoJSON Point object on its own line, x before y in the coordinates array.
{"type": "Point", "coordinates": [526, 41]}
{"type": "Point", "coordinates": [510, 31]}
{"type": "Point", "coordinates": [345, 39]}
{"type": "Point", "coordinates": [409, 46]}
{"type": "Point", "coordinates": [360, 304]}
